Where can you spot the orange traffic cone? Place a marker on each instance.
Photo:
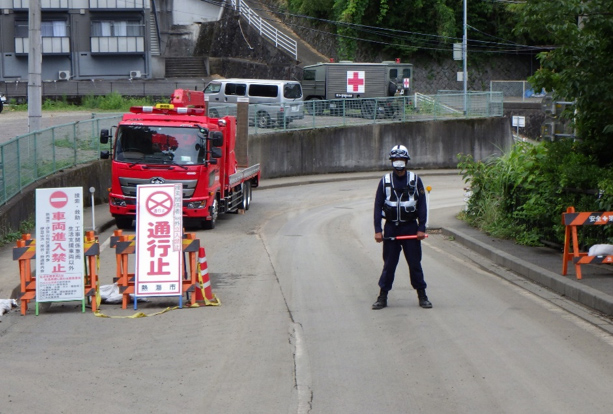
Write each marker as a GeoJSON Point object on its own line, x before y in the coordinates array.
{"type": "Point", "coordinates": [205, 293]}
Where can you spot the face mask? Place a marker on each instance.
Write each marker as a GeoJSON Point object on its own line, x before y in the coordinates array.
{"type": "Point", "coordinates": [399, 165]}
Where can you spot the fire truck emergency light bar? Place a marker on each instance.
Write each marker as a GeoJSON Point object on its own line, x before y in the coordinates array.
{"type": "Point", "coordinates": [166, 109]}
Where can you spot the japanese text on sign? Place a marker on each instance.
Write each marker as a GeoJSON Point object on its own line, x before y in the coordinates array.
{"type": "Point", "coordinates": [159, 234]}
{"type": "Point", "coordinates": [59, 247]}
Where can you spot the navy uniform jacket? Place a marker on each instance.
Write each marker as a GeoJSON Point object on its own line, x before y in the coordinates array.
{"type": "Point", "coordinates": [402, 229]}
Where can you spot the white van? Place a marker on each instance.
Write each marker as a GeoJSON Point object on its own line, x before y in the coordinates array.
{"type": "Point", "coordinates": [270, 101]}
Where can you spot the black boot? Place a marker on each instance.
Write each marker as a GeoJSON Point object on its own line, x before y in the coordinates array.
{"type": "Point", "coordinates": [423, 299]}
{"type": "Point", "coordinates": [381, 300]}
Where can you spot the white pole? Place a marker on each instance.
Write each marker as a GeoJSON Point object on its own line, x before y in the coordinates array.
{"type": "Point", "coordinates": [92, 190]}
{"type": "Point", "coordinates": [35, 58]}
{"type": "Point", "coordinates": [465, 55]}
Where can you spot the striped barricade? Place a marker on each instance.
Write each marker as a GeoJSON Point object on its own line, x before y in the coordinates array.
{"type": "Point", "coordinates": [571, 220]}
{"type": "Point", "coordinates": [125, 245]}
{"type": "Point", "coordinates": [25, 252]}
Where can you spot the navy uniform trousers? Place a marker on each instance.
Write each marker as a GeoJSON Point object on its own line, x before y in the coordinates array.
{"type": "Point", "coordinates": [391, 255]}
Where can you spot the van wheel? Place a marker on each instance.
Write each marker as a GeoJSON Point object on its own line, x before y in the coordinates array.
{"type": "Point", "coordinates": [213, 113]}
{"type": "Point", "coordinates": [263, 119]}
{"type": "Point", "coordinates": [210, 224]}
{"type": "Point", "coordinates": [124, 222]}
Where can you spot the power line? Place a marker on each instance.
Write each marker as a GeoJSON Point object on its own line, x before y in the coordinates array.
{"type": "Point", "coordinates": [423, 40]}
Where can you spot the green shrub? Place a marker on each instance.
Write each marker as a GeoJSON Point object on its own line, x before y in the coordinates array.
{"type": "Point", "coordinates": [522, 194]}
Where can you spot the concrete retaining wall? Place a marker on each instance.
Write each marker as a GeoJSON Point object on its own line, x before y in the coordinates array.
{"type": "Point", "coordinates": [432, 144]}
{"type": "Point", "coordinates": [318, 151]}
{"type": "Point", "coordinates": [23, 207]}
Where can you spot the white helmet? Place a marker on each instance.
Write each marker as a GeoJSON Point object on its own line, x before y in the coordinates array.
{"type": "Point", "coordinates": [400, 151]}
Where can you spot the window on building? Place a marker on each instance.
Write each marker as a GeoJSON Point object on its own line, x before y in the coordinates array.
{"type": "Point", "coordinates": [116, 28]}
{"type": "Point", "coordinates": [48, 28]}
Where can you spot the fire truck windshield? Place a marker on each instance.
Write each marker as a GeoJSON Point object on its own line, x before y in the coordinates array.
{"type": "Point", "coordinates": [141, 144]}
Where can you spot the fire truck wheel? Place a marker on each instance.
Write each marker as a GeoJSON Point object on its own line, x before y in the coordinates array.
{"type": "Point", "coordinates": [210, 224]}
{"type": "Point", "coordinates": [263, 119]}
{"type": "Point", "coordinates": [124, 222]}
{"type": "Point", "coordinates": [246, 195]}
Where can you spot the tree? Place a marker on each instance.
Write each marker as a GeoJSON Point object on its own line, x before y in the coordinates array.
{"type": "Point", "coordinates": [578, 68]}
{"type": "Point", "coordinates": [399, 28]}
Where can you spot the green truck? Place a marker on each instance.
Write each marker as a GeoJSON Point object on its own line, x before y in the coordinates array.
{"type": "Point", "coordinates": [348, 86]}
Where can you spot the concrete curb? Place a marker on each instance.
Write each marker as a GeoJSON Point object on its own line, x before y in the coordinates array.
{"type": "Point", "coordinates": [562, 285]}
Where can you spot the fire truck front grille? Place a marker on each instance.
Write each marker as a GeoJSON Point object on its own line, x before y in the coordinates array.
{"type": "Point", "coordinates": [128, 185]}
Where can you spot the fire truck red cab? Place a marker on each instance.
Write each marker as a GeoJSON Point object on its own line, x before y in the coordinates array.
{"type": "Point", "coordinates": [169, 143]}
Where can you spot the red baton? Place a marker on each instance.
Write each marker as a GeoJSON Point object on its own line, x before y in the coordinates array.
{"type": "Point", "coordinates": [403, 237]}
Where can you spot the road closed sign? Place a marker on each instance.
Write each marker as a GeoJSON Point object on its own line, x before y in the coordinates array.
{"type": "Point", "coordinates": [159, 240]}
{"type": "Point", "coordinates": [60, 264]}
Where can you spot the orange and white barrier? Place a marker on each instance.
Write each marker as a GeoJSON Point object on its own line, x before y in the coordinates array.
{"type": "Point", "coordinates": [205, 293]}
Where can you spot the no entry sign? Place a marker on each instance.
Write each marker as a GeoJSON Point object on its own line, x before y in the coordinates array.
{"type": "Point", "coordinates": [159, 240]}
{"type": "Point", "coordinates": [58, 199]}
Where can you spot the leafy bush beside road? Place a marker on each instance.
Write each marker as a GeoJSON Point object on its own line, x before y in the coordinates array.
{"type": "Point", "coordinates": [523, 194]}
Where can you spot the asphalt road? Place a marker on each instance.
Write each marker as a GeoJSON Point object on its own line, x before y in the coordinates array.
{"type": "Point", "coordinates": [297, 275]}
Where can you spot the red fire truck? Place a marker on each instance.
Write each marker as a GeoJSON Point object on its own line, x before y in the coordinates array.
{"type": "Point", "coordinates": [177, 143]}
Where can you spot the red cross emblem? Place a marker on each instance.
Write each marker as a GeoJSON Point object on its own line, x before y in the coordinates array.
{"type": "Point", "coordinates": [355, 81]}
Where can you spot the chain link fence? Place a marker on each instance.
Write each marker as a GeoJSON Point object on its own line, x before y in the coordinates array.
{"type": "Point", "coordinates": [349, 112]}
{"type": "Point", "coordinates": [516, 90]}
{"type": "Point", "coordinates": [28, 158]}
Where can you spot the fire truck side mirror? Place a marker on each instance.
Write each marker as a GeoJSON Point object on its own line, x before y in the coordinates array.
{"type": "Point", "coordinates": [105, 155]}
{"type": "Point", "coordinates": [216, 139]}
{"type": "Point", "coordinates": [215, 152]}
{"type": "Point", "coordinates": [104, 136]}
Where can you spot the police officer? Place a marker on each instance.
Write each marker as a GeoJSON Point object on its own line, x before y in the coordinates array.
{"type": "Point", "coordinates": [401, 201]}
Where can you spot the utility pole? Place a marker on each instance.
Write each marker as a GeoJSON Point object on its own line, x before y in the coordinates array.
{"type": "Point", "coordinates": [35, 57]}
{"type": "Point", "coordinates": [465, 55]}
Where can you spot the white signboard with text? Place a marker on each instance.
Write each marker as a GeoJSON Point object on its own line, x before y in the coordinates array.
{"type": "Point", "coordinates": [159, 240]}
{"type": "Point", "coordinates": [519, 121]}
{"type": "Point", "coordinates": [60, 265]}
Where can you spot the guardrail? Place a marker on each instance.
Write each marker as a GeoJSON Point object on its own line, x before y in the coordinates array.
{"type": "Point", "coordinates": [33, 156]}
{"type": "Point", "coordinates": [280, 39]}
{"type": "Point", "coordinates": [345, 112]}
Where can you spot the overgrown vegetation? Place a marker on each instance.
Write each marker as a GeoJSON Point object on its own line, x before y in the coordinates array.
{"type": "Point", "coordinates": [111, 102]}
{"type": "Point", "coordinates": [11, 236]}
{"type": "Point", "coordinates": [522, 194]}
{"type": "Point", "coordinates": [400, 28]}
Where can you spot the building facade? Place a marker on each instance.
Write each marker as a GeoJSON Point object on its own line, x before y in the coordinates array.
{"type": "Point", "coordinates": [96, 39]}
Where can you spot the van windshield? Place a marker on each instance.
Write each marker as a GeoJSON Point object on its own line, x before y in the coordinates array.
{"type": "Point", "coordinates": [141, 144]}
{"type": "Point", "coordinates": [292, 91]}
{"type": "Point", "coordinates": [212, 88]}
